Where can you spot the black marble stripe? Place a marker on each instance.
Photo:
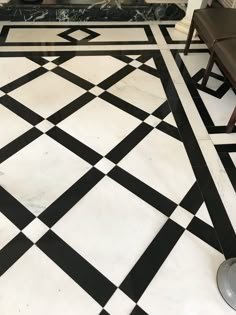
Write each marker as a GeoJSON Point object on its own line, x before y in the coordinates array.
{"type": "Point", "coordinates": [193, 199]}
{"type": "Point", "coordinates": [143, 191]}
{"type": "Point", "coordinates": [73, 78]}
{"type": "Point", "coordinates": [71, 108]}
{"type": "Point", "coordinates": [70, 197]}
{"type": "Point", "coordinates": [107, 83]}
{"type": "Point", "coordinates": [205, 232]}
{"type": "Point", "coordinates": [14, 210]}
{"type": "Point", "coordinates": [126, 145]}
{"type": "Point", "coordinates": [74, 145]}
{"type": "Point", "coordinates": [19, 143]}
{"type": "Point", "coordinates": [21, 110]}
{"type": "Point", "coordinates": [81, 271]}
{"type": "Point", "coordinates": [9, 254]}
{"type": "Point", "coordinates": [125, 106]}
{"type": "Point", "coordinates": [162, 111]}
{"type": "Point", "coordinates": [226, 147]}
{"type": "Point", "coordinates": [169, 129]}
{"type": "Point", "coordinates": [152, 259]}
{"type": "Point", "coordinates": [23, 80]}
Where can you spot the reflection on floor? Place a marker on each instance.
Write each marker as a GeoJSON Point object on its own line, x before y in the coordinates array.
{"type": "Point", "coordinates": [117, 178]}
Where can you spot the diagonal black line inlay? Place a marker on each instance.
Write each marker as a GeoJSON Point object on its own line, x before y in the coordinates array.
{"type": "Point", "coordinates": [73, 78]}
{"type": "Point", "coordinates": [23, 80]}
{"type": "Point", "coordinates": [193, 199]}
{"type": "Point", "coordinates": [66, 201]}
{"type": "Point", "coordinates": [114, 78]}
{"type": "Point", "coordinates": [205, 232]}
{"type": "Point", "coordinates": [21, 110]}
{"type": "Point", "coordinates": [19, 143]}
{"type": "Point", "coordinates": [143, 191]}
{"type": "Point", "coordinates": [125, 106]}
{"type": "Point", "coordinates": [162, 111]}
{"type": "Point", "coordinates": [13, 251]}
{"type": "Point", "coordinates": [82, 272]}
{"type": "Point", "coordinates": [14, 210]}
{"type": "Point", "coordinates": [71, 108]}
{"type": "Point", "coordinates": [74, 145]}
{"type": "Point", "coordinates": [170, 130]}
{"type": "Point", "coordinates": [126, 145]}
{"type": "Point", "coordinates": [138, 311]}
{"type": "Point", "coordinates": [152, 259]}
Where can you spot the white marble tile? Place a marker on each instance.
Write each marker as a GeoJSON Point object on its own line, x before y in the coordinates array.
{"type": "Point", "coordinates": [170, 120]}
{"type": "Point", "coordinates": [220, 110]}
{"type": "Point", "coordinates": [133, 56]}
{"type": "Point", "coordinates": [14, 125]}
{"type": "Point", "coordinates": [2, 93]}
{"type": "Point", "coordinates": [35, 285]}
{"type": "Point", "coordinates": [33, 35]}
{"type": "Point", "coordinates": [151, 63]}
{"type": "Point", "coordinates": [141, 90]}
{"type": "Point", "coordinates": [44, 125]}
{"type": "Point", "coordinates": [99, 125]}
{"type": "Point", "coordinates": [182, 216]}
{"type": "Point", "coordinates": [7, 230]}
{"type": "Point", "coordinates": [104, 165]}
{"type": "Point", "coordinates": [50, 58]}
{"type": "Point", "coordinates": [50, 66]}
{"type": "Point", "coordinates": [119, 34]}
{"type": "Point", "coordinates": [119, 304]}
{"type": "Point", "coordinates": [95, 69]}
{"type": "Point", "coordinates": [79, 48]}
{"type": "Point", "coordinates": [152, 121]}
{"type": "Point", "coordinates": [153, 161]}
{"type": "Point", "coordinates": [233, 157]}
{"type": "Point", "coordinates": [96, 90]}
{"type": "Point", "coordinates": [203, 214]}
{"type": "Point", "coordinates": [78, 35]}
{"type": "Point", "coordinates": [47, 93]}
{"type": "Point", "coordinates": [9, 72]}
{"type": "Point", "coordinates": [186, 282]}
{"type": "Point", "coordinates": [105, 228]}
{"type": "Point", "coordinates": [136, 63]}
{"type": "Point", "coordinates": [221, 179]}
{"type": "Point", "coordinates": [158, 36]}
{"type": "Point", "coordinates": [35, 230]}
{"type": "Point", "coordinates": [32, 175]}
{"type": "Point", "coordinates": [195, 61]}
{"type": "Point", "coordinates": [223, 138]}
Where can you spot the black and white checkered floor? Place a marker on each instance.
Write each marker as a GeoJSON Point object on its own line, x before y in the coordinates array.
{"type": "Point", "coordinates": [117, 179]}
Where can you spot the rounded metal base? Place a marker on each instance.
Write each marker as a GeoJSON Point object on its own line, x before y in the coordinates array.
{"type": "Point", "coordinates": [226, 280]}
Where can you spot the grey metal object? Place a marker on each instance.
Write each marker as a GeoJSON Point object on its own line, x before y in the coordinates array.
{"type": "Point", "coordinates": [226, 280]}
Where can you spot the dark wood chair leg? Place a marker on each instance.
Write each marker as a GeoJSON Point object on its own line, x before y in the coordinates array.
{"type": "Point", "coordinates": [208, 69]}
{"type": "Point", "coordinates": [189, 38]}
{"type": "Point", "coordinates": [231, 122]}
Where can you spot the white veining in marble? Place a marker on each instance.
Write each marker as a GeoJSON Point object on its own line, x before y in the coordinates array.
{"type": "Point", "coordinates": [141, 90]}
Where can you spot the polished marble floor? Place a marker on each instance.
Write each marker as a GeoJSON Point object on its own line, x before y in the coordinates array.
{"type": "Point", "coordinates": [117, 179]}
